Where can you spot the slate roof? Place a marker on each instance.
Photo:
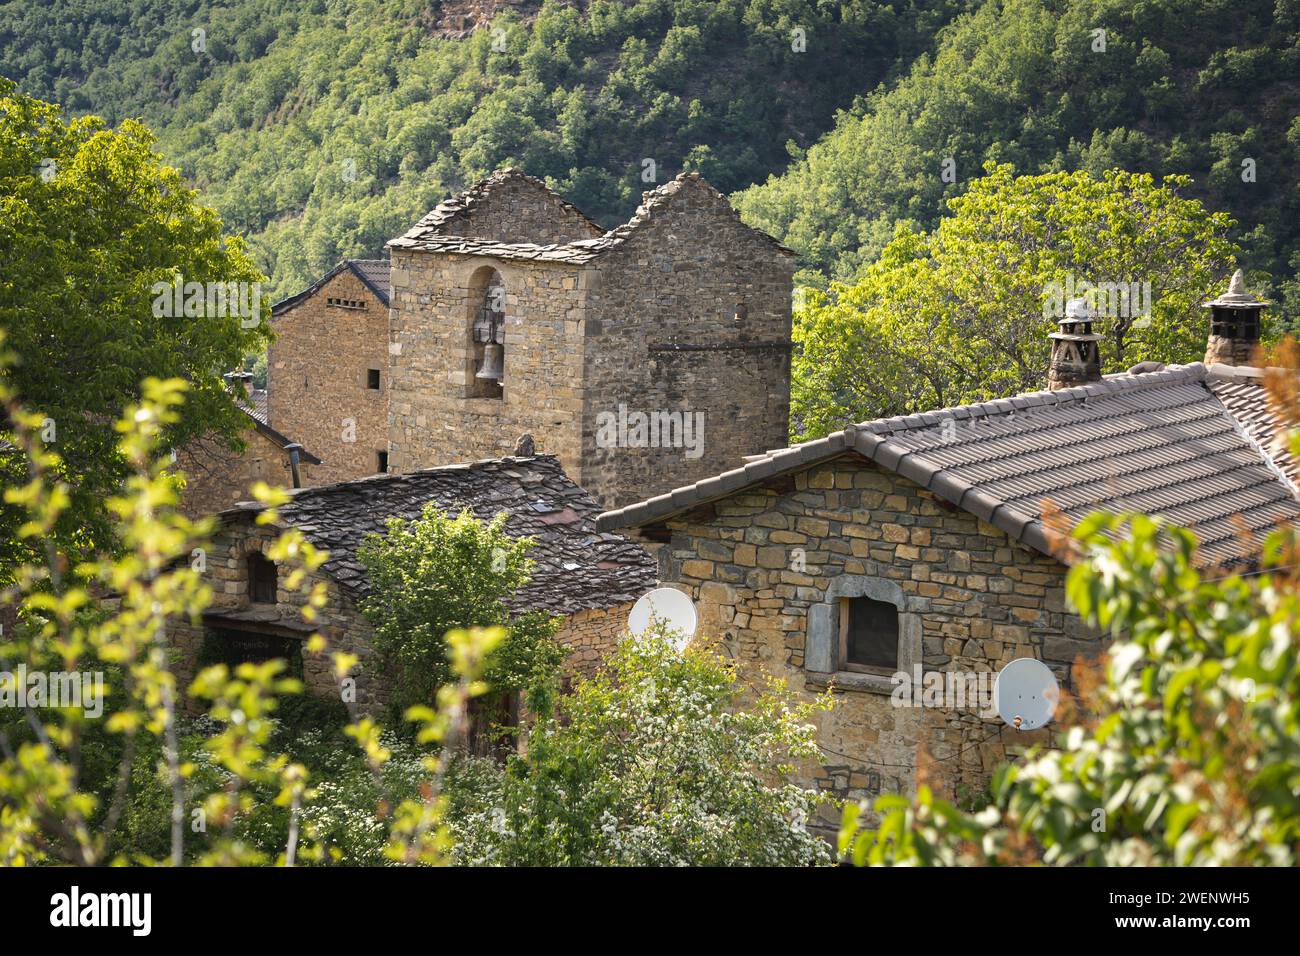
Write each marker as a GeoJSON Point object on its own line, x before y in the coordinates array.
{"type": "Point", "coordinates": [462, 207]}
{"type": "Point", "coordinates": [577, 566]}
{"type": "Point", "coordinates": [428, 234]}
{"type": "Point", "coordinates": [1176, 442]}
{"type": "Point", "coordinates": [374, 273]}
{"type": "Point", "coordinates": [256, 406]}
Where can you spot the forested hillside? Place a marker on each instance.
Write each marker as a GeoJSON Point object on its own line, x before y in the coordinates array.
{"type": "Point", "coordinates": [1210, 88]}
{"type": "Point", "coordinates": [320, 129]}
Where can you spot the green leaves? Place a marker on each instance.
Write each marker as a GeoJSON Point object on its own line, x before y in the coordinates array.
{"type": "Point", "coordinates": [661, 758]}
{"type": "Point", "coordinates": [963, 314]}
{"type": "Point", "coordinates": [439, 574]}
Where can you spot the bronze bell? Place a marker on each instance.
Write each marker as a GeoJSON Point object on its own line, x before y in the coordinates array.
{"type": "Point", "coordinates": [492, 366]}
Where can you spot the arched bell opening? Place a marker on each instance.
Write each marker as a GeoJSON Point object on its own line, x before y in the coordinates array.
{"type": "Point", "coordinates": [487, 298]}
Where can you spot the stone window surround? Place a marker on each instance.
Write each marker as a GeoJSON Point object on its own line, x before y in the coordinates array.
{"type": "Point", "coordinates": [822, 637]}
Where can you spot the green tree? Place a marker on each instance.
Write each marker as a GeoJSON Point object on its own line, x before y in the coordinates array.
{"type": "Point", "coordinates": [963, 314]}
{"type": "Point", "coordinates": [436, 573]}
{"type": "Point", "coordinates": [660, 759]}
{"type": "Point", "coordinates": [89, 221]}
{"type": "Point", "coordinates": [65, 797]}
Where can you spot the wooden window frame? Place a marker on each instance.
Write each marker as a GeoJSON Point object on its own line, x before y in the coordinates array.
{"type": "Point", "coordinates": [844, 663]}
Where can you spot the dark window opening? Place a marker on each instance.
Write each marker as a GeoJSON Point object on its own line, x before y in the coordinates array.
{"type": "Point", "coordinates": [261, 579]}
{"type": "Point", "coordinates": [232, 647]}
{"type": "Point", "coordinates": [382, 460]}
{"type": "Point", "coordinates": [868, 635]}
{"type": "Point", "coordinates": [372, 378]}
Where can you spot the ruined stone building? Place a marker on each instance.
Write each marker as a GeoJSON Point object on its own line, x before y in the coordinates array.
{"type": "Point", "coordinates": [925, 543]}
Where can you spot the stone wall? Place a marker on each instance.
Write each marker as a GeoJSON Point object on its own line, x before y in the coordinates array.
{"type": "Point", "coordinates": [432, 419]}
{"type": "Point", "coordinates": [766, 566]}
{"type": "Point", "coordinates": [217, 477]}
{"type": "Point", "coordinates": [317, 379]}
{"type": "Point", "coordinates": [515, 208]}
{"type": "Point", "coordinates": [687, 311]}
{"type": "Point", "coordinates": [691, 313]}
{"type": "Point", "coordinates": [339, 621]}
{"type": "Point", "coordinates": [591, 636]}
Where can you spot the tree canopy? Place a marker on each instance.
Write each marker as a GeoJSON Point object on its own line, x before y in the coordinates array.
{"type": "Point", "coordinates": [962, 314]}
{"type": "Point", "coordinates": [90, 222]}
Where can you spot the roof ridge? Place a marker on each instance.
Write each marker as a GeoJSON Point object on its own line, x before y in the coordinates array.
{"type": "Point", "coordinates": [1117, 384]}
{"type": "Point", "coordinates": [461, 206]}
{"type": "Point", "coordinates": [311, 491]}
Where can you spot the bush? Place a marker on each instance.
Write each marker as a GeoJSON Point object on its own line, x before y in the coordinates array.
{"type": "Point", "coordinates": [654, 761]}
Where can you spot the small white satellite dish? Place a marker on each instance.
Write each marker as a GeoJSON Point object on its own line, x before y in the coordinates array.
{"type": "Point", "coordinates": [668, 606]}
{"type": "Point", "coordinates": [1026, 693]}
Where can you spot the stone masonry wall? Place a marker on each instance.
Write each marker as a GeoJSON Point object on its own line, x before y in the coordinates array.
{"type": "Point", "coordinates": [340, 622]}
{"type": "Point", "coordinates": [591, 636]}
{"type": "Point", "coordinates": [518, 210]}
{"type": "Point", "coordinates": [691, 312]}
{"type": "Point", "coordinates": [975, 598]}
{"type": "Point", "coordinates": [317, 372]}
{"type": "Point", "coordinates": [217, 478]}
{"type": "Point", "coordinates": [432, 422]}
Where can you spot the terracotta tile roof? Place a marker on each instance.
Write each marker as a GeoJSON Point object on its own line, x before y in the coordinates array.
{"type": "Point", "coordinates": [1160, 442]}
{"type": "Point", "coordinates": [577, 566]}
{"type": "Point", "coordinates": [1241, 390]}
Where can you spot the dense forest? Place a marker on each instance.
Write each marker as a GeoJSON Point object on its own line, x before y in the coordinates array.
{"type": "Point", "coordinates": [1210, 88]}
{"type": "Point", "coordinates": [321, 129]}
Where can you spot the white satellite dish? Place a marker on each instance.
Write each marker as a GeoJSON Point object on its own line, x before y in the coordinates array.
{"type": "Point", "coordinates": [668, 606]}
{"type": "Point", "coordinates": [1026, 693]}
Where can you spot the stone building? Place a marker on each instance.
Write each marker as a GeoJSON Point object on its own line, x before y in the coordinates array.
{"type": "Point", "coordinates": [327, 370]}
{"type": "Point", "coordinates": [931, 543]}
{"type": "Point", "coordinates": [644, 357]}
{"type": "Point", "coordinates": [217, 477]}
{"type": "Point", "coordinates": [588, 578]}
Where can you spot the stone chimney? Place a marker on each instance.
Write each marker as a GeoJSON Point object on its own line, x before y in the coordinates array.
{"type": "Point", "coordinates": [1076, 357]}
{"type": "Point", "coordinates": [239, 384]}
{"type": "Point", "coordinates": [1234, 325]}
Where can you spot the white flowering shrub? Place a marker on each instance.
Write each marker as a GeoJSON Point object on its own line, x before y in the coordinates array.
{"type": "Point", "coordinates": [661, 759]}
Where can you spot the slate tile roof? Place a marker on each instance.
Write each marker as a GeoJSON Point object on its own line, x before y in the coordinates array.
{"type": "Point", "coordinates": [1176, 442]}
{"type": "Point", "coordinates": [577, 567]}
{"type": "Point", "coordinates": [463, 206]}
{"type": "Point", "coordinates": [374, 273]}
{"type": "Point", "coordinates": [428, 234]}
{"type": "Point", "coordinates": [256, 405]}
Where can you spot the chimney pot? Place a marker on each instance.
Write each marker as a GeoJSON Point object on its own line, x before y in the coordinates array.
{"type": "Point", "coordinates": [1076, 355]}
{"type": "Point", "coordinates": [1234, 324]}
